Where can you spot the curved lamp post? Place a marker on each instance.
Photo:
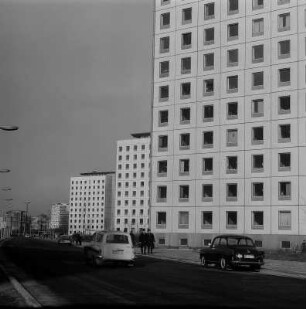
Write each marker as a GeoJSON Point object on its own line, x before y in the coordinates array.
{"type": "Point", "coordinates": [5, 170]}
{"type": "Point", "coordinates": [9, 128]}
{"type": "Point", "coordinates": [6, 189]}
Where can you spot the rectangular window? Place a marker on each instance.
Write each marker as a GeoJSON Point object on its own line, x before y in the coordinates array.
{"type": "Point", "coordinates": [208, 139]}
{"type": "Point", "coordinates": [257, 163]}
{"type": "Point", "coordinates": [284, 161]}
{"type": "Point", "coordinates": [209, 11]}
{"type": "Point", "coordinates": [257, 220]}
{"type": "Point", "coordinates": [185, 141]}
{"type": "Point", "coordinates": [231, 192]}
{"type": "Point", "coordinates": [164, 69]}
{"type": "Point", "coordinates": [284, 104]}
{"type": "Point", "coordinates": [207, 193]}
{"type": "Point", "coordinates": [232, 83]}
{"type": "Point", "coordinates": [163, 93]}
{"type": "Point", "coordinates": [258, 27]}
{"type": "Point", "coordinates": [186, 65]}
{"type": "Point", "coordinates": [257, 4]}
{"type": "Point", "coordinates": [284, 190]}
{"type": "Point", "coordinates": [258, 53]}
{"type": "Point", "coordinates": [208, 61]}
{"type": "Point", "coordinates": [284, 133]}
{"type": "Point", "coordinates": [284, 49]}
{"type": "Point", "coordinates": [231, 165]}
{"type": "Point", "coordinates": [232, 32]}
{"type": "Point", "coordinates": [257, 80]}
{"type": "Point", "coordinates": [185, 115]}
{"type": "Point", "coordinates": [184, 193]}
{"type": "Point", "coordinates": [163, 118]}
{"type": "Point", "coordinates": [284, 22]}
{"type": "Point", "coordinates": [257, 191]}
{"type": "Point", "coordinates": [163, 143]}
{"type": "Point", "coordinates": [231, 220]}
{"type": "Point", "coordinates": [165, 20]}
{"type": "Point", "coordinates": [280, 2]}
{"type": "Point", "coordinates": [185, 90]}
{"type": "Point", "coordinates": [232, 137]}
{"type": "Point", "coordinates": [208, 113]}
{"type": "Point", "coordinates": [257, 108]}
{"type": "Point", "coordinates": [257, 135]}
{"type": "Point", "coordinates": [209, 36]}
{"type": "Point", "coordinates": [184, 167]}
{"type": "Point", "coordinates": [232, 57]}
{"type": "Point", "coordinates": [285, 244]}
{"type": "Point", "coordinates": [164, 44]}
{"type": "Point", "coordinates": [232, 110]}
{"type": "Point", "coordinates": [232, 6]}
{"type": "Point", "coordinates": [208, 166]}
{"type": "Point", "coordinates": [162, 168]}
{"type": "Point", "coordinates": [161, 193]}
{"type": "Point", "coordinates": [161, 220]}
{"type": "Point", "coordinates": [208, 87]}
{"type": "Point", "coordinates": [186, 40]}
{"type": "Point", "coordinates": [186, 16]}
{"type": "Point", "coordinates": [183, 220]}
{"type": "Point", "coordinates": [207, 220]}
{"type": "Point", "coordinates": [284, 77]}
{"type": "Point", "coordinates": [284, 220]}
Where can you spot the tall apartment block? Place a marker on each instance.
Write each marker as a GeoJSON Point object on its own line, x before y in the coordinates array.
{"type": "Point", "coordinates": [91, 202]}
{"type": "Point", "coordinates": [59, 217]}
{"type": "Point", "coordinates": [132, 183]}
{"type": "Point", "coordinates": [229, 121]}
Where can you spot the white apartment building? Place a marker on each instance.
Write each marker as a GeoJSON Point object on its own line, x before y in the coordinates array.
{"type": "Point", "coordinates": [59, 216]}
{"type": "Point", "coordinates": [91, 202]}
{"type": "Point", "coordinates": [132, 183]}
{"type": "Point", "coordinates": [229, 121]}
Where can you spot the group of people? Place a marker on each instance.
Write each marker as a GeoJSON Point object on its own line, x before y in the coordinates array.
{"type": "Point", "coordinates": [77, 238]}
{"type": "Point", "coordinates": [146, 241]}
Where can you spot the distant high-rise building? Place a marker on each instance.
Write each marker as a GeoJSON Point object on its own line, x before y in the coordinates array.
{"type": "Point", "coordinates": [91, 202]}
{"type": "Point", "coordinates": [132, 183]}
{"type": "Point", "coordinates": [59, 217]}
{"type": "Point", "coordinates": [229, 121]}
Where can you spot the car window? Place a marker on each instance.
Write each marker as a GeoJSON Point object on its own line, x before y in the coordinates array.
{"type": "Point", "coordinates": [216, 242]}
{"type": "Point", "coordinates": [246, 242]}
{"type": "Point", "coordinates": [117, 239]}
{"type": "Point", "coordinates": [99, 237]}
{"type": "Point", "coordinates": [232, 241]}
{"type": "Point", "coordinates": [223, 241]}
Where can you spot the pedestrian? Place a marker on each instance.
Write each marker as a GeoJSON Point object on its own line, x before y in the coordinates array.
{"type": "Point", "coordinates": [142, 241]}
{"type": "Point", "coordinates": [150, 241]}
{"type": "Point", "coordinates": [303, 246]}
{"type": "Point", "coordinates": [133, 238]}
{"type": "Point", "coordinates": [78, 239]}
{"type": "Point", "coordinates": [74, 237]}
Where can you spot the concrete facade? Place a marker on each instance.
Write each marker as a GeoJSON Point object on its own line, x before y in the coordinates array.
{"type": "Point", "coordinates": [229, 121]}
{"type": "Point", "coordinates": [59, 216]}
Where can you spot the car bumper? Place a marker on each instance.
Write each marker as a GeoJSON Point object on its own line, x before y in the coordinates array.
{"type": "Point", "coordinates": [247, 263]}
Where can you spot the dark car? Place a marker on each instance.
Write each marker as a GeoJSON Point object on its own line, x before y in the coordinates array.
{"type": "Point", "coordinates": [232, 251]}
{"type": "Point", "coordinates": [64, 240]}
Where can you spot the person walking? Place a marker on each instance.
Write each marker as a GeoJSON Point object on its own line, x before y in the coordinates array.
{"type": "Point", "coordinates": [150, 241]}
{"type": "Point", "coordinates": [142, 241]}
{"type": "Point", "coordinates": [133, 238]}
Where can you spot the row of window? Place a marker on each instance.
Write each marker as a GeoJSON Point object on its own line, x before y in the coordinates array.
{"type": "Point", "coordinates": [209, 14]}
{"type": "Point", "coordinates": [257, 192]}
{"type": "Point", "coordinates": [87, 192]}
{"type": "Point", "coordinates": [127, 175]}
{"type": "Point", "coordinates": [132, 221]}
{"type": "Point", "coordinates": [127, 184]}
{"type": "Point", "coordinates": [127, 157]}
{"type": "Point", "coordinates": [135, 148]}
{"type": "Point", "coordinates": [257, 161]}
{"type": "Point", "coordinates": [86, 181]}
{"type": "Point", "coordinates": [135, 166]}
{"type": "Point", "coordinates": [72, 210]}
{"type": "Point", "coordinates": [284, 51]}
{"type": "Point", "coordinates": [133, 202]}
{"type": "Point", "coordinates": [87, 204]}
{"type": "Point", "coordinates": [81, 227]}
{"type": "Point", "coordinates": [126, 212]}
{"type": "Point", "coordinates": [208, 114]}
{"type": "Point", "coordinates": [257, 220]}
{"type": "Point", "coordinates": [127, 193]}
{"type": "Point", "coordinates": [257, 138]}
{"type": "Point", "coordinates": [232, 84]}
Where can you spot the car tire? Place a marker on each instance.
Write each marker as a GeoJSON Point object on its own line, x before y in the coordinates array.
{"type": "Point", "coordinates": [203, 261]}
{"type": "Point", "coordinates": [223, 263]}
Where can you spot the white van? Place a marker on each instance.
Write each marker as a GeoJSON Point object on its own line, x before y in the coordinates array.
{"type": "Point", "coordinates": [109, 247]}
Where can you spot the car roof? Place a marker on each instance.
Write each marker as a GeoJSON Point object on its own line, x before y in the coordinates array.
{"type": "Point", "coordinates": [233, 236]}
{"type": "Point", "coordinates": [113, 232]}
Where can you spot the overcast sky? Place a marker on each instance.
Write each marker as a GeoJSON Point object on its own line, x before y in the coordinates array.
{"type": "Point", "coordinates": [75, 76]}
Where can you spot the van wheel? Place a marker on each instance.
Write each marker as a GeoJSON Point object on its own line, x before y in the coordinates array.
{"type": "Point", "coordinates": [223, 263]}
{"type": "Point", "coordinates": [203, 261]}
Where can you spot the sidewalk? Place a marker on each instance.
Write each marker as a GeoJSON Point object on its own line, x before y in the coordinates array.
{"type": "Point", "coordinates": [281, 268]}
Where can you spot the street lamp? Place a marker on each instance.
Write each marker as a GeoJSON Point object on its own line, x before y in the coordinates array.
{"type": "Point", "coordinates": [26, 216]}
{"type": "Point", "coordinates": [6, 189]}
{"type": "Point", "coordinates": [9, 128]}
{"type": "Point", "coordinates": [5, 170]}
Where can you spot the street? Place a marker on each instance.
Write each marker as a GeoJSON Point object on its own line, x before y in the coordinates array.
{"type": "Point", "coordinates": [56, 275]}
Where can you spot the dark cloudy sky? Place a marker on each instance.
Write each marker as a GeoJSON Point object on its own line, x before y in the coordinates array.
{"type": "Point", "coordinates": [75, 76]}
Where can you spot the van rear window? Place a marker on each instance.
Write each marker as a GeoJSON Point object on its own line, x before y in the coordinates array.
{"type": "Point", "coordinates": [117, 239]}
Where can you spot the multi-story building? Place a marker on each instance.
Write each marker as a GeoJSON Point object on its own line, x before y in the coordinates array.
{"type": "Point", "coordinates": [229, 121]}
{"type": "Point", "coordinates": [132, 183]}
{"type": "Point", "coordinates": [91, 202]}
{"type": "Point", "coordinates": [59, 217]}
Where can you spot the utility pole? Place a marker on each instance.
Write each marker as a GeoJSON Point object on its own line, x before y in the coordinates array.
{"type": "Point", "coordinates": [26, 216]}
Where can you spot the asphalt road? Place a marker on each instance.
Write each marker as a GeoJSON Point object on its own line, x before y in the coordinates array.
{"type": "Point", "coordinates": [56, 275]}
